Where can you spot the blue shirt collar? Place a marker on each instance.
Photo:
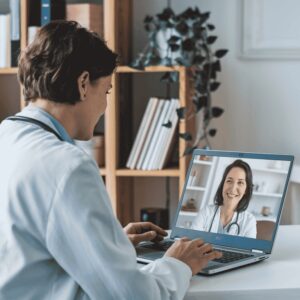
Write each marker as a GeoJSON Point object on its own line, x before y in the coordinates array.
{"type": "Point", "coordinates": [41, 115]}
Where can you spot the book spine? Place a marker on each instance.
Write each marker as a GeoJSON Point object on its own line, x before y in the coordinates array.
{"type": "Point", "coordinates": [155, 141]}
{"type": "Point", "coordinates": [170, 136]}
{"type": "Point", "coordinates": [140, 137]}
{"type": "Point", "coordinates": [5, 42]}
{"type": "Point", "coordinates": [45, 12]}
{"type": "Point", "coordinates": [161, 143]}
{"type": "Point", "coordinates": [15, 31]}
{"type": "Point", "coordinates": [150, 132]}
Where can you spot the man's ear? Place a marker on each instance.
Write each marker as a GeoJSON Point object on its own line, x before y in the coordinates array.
{"type": "Point", "coordinates": [82, 83]}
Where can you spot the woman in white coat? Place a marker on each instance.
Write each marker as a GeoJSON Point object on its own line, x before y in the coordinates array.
{"type": "Point", "coordinates": [228, 215]}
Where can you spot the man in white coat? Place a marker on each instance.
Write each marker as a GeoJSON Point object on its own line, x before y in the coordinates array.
{"type": "Point", "coordinates": [59, 238]}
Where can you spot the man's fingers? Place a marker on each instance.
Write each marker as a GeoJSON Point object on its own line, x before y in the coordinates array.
{"type": "Point", "coordinates": [213, 255]}
{"type": "Point", "coordinates": [205, 248]}
{"type": "Point", "coordinates": [147, 236]}
{"type": "Point", "coordinates": [150, 226]}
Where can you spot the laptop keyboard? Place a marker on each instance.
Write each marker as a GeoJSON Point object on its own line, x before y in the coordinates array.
{"type": "Point", "coordinates": [227, 257]}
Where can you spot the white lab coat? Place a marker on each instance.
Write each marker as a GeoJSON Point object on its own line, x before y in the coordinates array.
{"type": "Point", "coordinates": [59, 238]}
{"type": "Point", "coordinates": [204, 219]}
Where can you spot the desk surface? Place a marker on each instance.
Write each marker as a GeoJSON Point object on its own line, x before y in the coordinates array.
{"type": "Point", "coordinates": [275, 278]}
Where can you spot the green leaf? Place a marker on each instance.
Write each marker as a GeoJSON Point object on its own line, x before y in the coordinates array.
{"type": "Point", "coordinates": [216, 66]}
{"type": "Point", "coordinates": [221, 52]}
{"type": "Point", "coordinates": [166, 14]}
{"type": "Point", "coordinates": [214, 86]}
{"type": "Point", "coordinates": [148, 19]}
{"type": "Point", "coordinates": [137, 64]}
{"type": "Point", "coordinates": [181, 112]}
{"type": "Point", "coordinates": [211, 39]}
{"type": "Point", "coordinates": [200, 102]}
{"type": "Point", "coordinates": [168, 124]}
{"type": "Point", "coordinates": [173, 39]}
{"type": "Point", "coordinates": [188, 45]}
{"type": "Point", "coordinates": [212, 132]}
{"type": "Point", "coordinates": [174, 47]}
{"type": "Point", "coordinates": [211, 26]}
{"type": "Point", "coordinates": [182, 28]}
{"type": "Point", "coordinates": [217, 112]}
{"type": "Point", "coordinates": [186, 136]}
{"type": "Point", "coordinates": [201, 88]}
{"type": "Point", "coordinates": [198, 59]}
{"type": "Point", "coordinates": [205, 16]}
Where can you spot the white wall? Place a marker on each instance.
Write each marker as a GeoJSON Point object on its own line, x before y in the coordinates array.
{"type": "Point", "coordinates": [260, 97]}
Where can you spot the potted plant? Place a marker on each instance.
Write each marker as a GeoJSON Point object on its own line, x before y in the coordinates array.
{"type": "Point", "coordinates": [188, 42]}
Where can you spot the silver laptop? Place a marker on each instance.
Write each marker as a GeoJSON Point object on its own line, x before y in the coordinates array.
{"type": "Point", "coordinates": [232, 200]}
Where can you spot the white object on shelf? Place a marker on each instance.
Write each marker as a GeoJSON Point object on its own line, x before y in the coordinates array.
{"type": "Point", "coordinates": [202, 162]}
{"type": "Point", "coordinates": [275, 195]}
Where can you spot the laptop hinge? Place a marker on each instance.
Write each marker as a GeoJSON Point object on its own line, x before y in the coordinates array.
{"type": "Point", "coordinates": [257, 251]}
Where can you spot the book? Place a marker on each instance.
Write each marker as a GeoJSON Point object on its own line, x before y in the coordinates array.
{"type": "Point", "coordinates": [32, 30]}
{"type": "Point", "coordinates": [5, 51]}
{"type": "Point", "coordinates": [154, 142]}
{"type": "Point", "coordinates": [162, 137]}
{"type": "Point", "coordinates": [87, 15]}
{"type": "Point", "coordinates": [34, 13]}
{"type": "Point", "coordinates": [169, 140]}
{"type": "Point", "coordinates": [14, 6]}
{"type": "Point", "coordinates": [52, 10]}
{"type": "Point", "coordinates": [138, 143]}
{"type": "Point", "coordinates": [150, 132]}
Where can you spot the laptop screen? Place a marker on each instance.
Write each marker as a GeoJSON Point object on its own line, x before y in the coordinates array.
{"type": "Point", "coordinates": [234, 194]}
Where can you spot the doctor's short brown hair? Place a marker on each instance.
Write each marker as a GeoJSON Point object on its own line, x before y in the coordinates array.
{"type": "Point", "coordinates": [244, 202]}
{"type": "Point", "coordinates": [60, 52]}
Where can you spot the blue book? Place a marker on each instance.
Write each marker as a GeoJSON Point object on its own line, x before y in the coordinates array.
{"type": "Point", "coordinates": [52, 10]}
{"type": "Point", "coordinates": [45, 12]}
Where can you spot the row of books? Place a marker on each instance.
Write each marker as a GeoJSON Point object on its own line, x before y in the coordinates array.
{"type": "Point", "coordinates": [89, 15]}
{"type": "Point", "coordinates": [153, 143]}
{"type": "Point", "coordinates": [10, 35]}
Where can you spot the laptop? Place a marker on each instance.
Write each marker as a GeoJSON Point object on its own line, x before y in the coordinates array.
{"type": "Point", "coordinates": [261, 182]}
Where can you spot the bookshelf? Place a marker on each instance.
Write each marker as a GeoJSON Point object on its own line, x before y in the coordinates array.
{"type": "Point", "coordinates": [117, 120]}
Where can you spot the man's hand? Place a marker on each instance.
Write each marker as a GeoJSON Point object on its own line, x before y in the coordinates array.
{"type": "Point", "coordinates": [195, 253]}
{"type": "Point", "coordinates": [144, 231]}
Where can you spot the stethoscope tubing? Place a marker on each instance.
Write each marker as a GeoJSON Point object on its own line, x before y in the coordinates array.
{"type": "Point", "coordinates": [235, 223]}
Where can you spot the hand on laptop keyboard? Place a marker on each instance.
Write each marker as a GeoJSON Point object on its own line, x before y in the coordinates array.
{"type": "Point", "coordinates": [195, 253]}
{"type": "Point", "coordinates": [144, 231]}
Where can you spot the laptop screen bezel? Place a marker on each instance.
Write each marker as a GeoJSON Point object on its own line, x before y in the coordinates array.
{"type": "Point", "coordinates": [226, 240]}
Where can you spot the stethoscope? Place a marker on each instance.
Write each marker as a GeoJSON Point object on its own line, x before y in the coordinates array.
{"type": "Point", "coordinates": [36, 122]}
{"type": "Point", "coordinates": [231, 225]}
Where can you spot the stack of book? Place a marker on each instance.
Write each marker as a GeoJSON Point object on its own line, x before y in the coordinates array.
{"type": "Point", "coordinates": [10, 35]}
{"type": "Point", "coordinates": [5, 50]}
{"type": "Point", "coordinates": [153, 142]}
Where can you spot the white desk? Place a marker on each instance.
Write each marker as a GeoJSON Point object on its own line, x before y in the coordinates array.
{"type": "Point", "coordinates": [276, 278]}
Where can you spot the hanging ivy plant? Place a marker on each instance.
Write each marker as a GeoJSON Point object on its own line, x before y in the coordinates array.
{"type": "Point", "coordinates": [188, 42]}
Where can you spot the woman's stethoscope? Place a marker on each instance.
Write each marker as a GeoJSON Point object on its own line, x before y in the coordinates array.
{"type": "Point", "coordinates": [231, 225]}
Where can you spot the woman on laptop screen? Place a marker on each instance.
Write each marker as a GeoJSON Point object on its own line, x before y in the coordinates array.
{"type": "Point", "coordinates": [228, 215]}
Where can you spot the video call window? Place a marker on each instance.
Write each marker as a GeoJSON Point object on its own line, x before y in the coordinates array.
{"type": "Point", "coordinates": [232, 196]}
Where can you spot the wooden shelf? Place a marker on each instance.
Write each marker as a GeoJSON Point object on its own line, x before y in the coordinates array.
{"type": "Point", "coordinates": [126, 69]}
{"type": "Point", "coordinates": [172, 172]}
{"type": "Point", "coordinates": [102, 171]}
{"type": "Point", "coordinates": [8, 71]}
